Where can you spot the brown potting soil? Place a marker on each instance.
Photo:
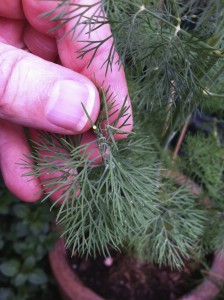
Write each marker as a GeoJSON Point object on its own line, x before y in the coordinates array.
{"type": "Point", "coordinates": [122, 278]}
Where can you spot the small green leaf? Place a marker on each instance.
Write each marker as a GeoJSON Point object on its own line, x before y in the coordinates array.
{"type": "Point", "coordinates": [40, 251]}
{"type": "Point", "coordinates": [20, 279]}
{"type": "Point", "coordinates": [21, 230]}
{"type": "Point", "coordinates": [4, 203]}
{"type": "Point", "coordinates": [4, 210]}
{"type": "Point", "coordinates": [35, 228]}
{"type": "Point", "coordinates": [42, 238]}
{"type": "Point", "coordinates": [10, 268]}
{"type": "Point", "coordinates": [21, 210]}
{"type": "Point", "coordinates": [45, 228]}
{"type": "Point", "coordinates": [29, 263]}
{"type": "Point", "coordinates": [50, 240]}
{"type": "Point", "coordinates": [19, 247]}
{"type": "Point", "coordinates": [6, 294]}
{"type": "Point", "coordinates": [38, 277]}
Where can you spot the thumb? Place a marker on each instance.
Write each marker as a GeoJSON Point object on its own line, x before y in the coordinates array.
{"type": "Point", "coordinates": [37, 93]}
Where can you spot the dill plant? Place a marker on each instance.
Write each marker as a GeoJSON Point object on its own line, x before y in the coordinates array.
{"type": "Point", "coordinates": [172, 55]}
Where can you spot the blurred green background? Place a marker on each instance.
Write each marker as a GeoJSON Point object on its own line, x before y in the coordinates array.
{"type": "Point", "coordinates": [25, 240]}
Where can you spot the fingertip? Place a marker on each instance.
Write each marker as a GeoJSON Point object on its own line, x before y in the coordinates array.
{"type": "Point", "coordinates": [72, 103]}
{"type": "Point", "coordinates": [26, 188]}
{"type": "Point", "coordinates": [15, 164]}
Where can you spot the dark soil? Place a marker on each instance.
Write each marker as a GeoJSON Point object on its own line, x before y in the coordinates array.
{"type": "Point", "coordinates": [128, 279]}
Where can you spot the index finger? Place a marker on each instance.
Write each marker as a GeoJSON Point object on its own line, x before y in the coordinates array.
{"type": "Point", "coordinates": [68, 47]}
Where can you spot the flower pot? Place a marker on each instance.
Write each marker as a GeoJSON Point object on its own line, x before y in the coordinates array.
{"type": "Point", "coordinates": [212, 285]}
{"type": "Point", "coordinates": [72, 288]}
{"type": "Point", "coordinates": [69, 284]}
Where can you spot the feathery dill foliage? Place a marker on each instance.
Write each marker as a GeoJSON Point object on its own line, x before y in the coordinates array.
{"type": "Point", "coordinates": [122, 200]}
{"type": "Point", "coordinates": [175, 234]}
{"type": "Point", "coordinates": [205, 162]}
{"type": "Point", "coordinates": [103, 203]}
{"type": "Point", "coordinates": [172, 53]}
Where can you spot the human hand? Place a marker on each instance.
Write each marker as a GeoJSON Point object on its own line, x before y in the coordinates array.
{"type": "Point", "coordinates": [41, 94]}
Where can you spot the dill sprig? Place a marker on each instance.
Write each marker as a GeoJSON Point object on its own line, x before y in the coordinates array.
{"type": "Point", "coordinates": [112, 193]}
{"type": "Point", "coordinates": [108, 193]}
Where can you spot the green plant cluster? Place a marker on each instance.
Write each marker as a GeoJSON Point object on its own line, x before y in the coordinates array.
{"type": "Point", "coordinates": [25, 240]}
{"type": "Point", "coordinates": [125, 200]}
{"type": "Point", "coordinates": [207, 170]}
{"type": "Point", "coordinates": [172, 68]}
{"type": "Point", "coordinates": [204, 163]}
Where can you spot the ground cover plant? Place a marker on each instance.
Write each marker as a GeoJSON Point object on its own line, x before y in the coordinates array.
{"type": "Point", "coordinates": [25, 240]}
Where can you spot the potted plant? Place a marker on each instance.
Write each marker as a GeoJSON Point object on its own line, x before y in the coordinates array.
{"type": "Point", "coordinates": [119, 194]}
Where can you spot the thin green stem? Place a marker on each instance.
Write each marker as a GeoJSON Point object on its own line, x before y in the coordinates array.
{"type": "Point", "coordinates": [209, 94]}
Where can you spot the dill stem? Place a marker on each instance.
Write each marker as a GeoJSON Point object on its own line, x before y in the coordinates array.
{"type": "Point", "coordinates": [181, 137]}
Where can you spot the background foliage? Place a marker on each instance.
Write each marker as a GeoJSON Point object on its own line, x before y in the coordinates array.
{"type": "Point", "coordinates": [25, 239]}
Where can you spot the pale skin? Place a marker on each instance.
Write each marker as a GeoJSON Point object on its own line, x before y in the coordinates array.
{"type": "Point", "coordinates": [42, 85]}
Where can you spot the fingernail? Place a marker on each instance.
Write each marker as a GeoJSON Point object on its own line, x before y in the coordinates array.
{"type": "Point", "coordinates": [65, 104]}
